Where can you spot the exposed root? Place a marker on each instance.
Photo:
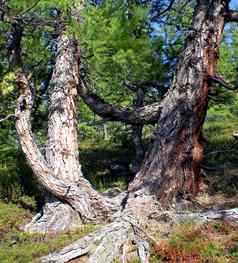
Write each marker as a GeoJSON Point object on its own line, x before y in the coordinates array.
{"type": "Point", "coordinates": [54, 217]}
{"type": "Point", "coordinates": [113, 240]}
{"type": "Point", "coordinates": [127, 230]}
{"type": "Point", "coordinates": [104, 245]}
{"type": "Point", "coordinates": [228, 215]}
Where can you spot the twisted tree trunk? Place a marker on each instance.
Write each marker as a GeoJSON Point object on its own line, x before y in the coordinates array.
{"type": "Point", "coordinates": [171, 167]}
{"type": "Point", "coordinates": [70, 198]}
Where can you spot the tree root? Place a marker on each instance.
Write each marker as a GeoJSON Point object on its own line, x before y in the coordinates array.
{"type": "Point", "coordinates": [105, 245]}
{"type": "Point", "coordinates": [113, 240]}
{"type": "Point", "coordinates": [228, 215]}
{"type": "Point", "coordinates": [54, 217]}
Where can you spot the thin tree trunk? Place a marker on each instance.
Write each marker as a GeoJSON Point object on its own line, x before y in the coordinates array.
{"type": "Point", "coordinates": [137, 131]}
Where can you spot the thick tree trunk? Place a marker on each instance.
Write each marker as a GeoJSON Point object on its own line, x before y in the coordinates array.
{"type": "Point", "coordinates": [171, 169]}
{"type": "Point", "coordinates": [62, 149]}
{"type": "Point", "coordinates": [171, 166]}
{"type": "Point", "coordinates": [59, 173]}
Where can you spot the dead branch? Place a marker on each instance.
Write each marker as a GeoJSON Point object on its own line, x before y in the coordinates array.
{"type": "Point", "coordinates": [9, 116]}
{"type": "Point", "coordinates": [232, 16]}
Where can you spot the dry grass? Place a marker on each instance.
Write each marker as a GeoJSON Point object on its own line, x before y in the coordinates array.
{"type": "Point", "coordinates": [199, 243]}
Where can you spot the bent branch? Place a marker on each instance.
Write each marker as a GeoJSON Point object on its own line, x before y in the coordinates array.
{"type": "Point", "coordinates": [81, 196]}
{"type": "Point", "coordinates": [10, 116]}
{"type": "Point", "coordinates": [221, 81]}
{"type": "Point", "coordinates": [232, 16]}
{"type": "Point", "coordinates": [148, 114]}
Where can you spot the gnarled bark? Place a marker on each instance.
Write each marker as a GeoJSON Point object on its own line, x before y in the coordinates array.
{"type": "Point", "coordinates": [62, 149]}
{"type": "Point", "coordinates": [171, 169]}
{"type": "Point", "coordinates": [59, 173]}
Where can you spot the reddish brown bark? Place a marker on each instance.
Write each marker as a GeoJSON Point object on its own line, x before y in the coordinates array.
{"type": "Point", "coordinates": [171, 168]}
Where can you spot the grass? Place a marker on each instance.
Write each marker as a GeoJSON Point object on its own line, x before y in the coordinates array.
{"type": "Point", "coordinates": [97, 160]}
{"type": "Point", "coordinates": [221, 142]}
{"type": "Point", "coordinates": [221, 154]}
{"type": "Point", "coordinates": [19, 247]}
{"type": "Point", "coordinates": [194, 243]}
{"type": "Point", "coordinates": [211, 243]}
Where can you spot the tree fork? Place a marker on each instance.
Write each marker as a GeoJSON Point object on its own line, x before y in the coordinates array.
{"type": "Point", "coordinates": [73, 197]}
{"type": "Point", "coordinates": [171, 167]}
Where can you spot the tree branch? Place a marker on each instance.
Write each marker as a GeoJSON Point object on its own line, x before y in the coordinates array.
{"type": "Point", "coordinates": [139, 115]}
{"type": "Point", "coordinates": [7, 117]}
{"type": "Point", "coordinates": [29, 8]}
{"type": "Point", "coordinates": [232, 16]}
{"type": "Point", "coordinates": [219, 80]}
{"type": "Point", "coordinates": [165, 10]}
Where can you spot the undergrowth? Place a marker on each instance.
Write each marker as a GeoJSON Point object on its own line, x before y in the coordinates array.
{"type": "Point", "coordinates": [221, 152]}
{"type": "Point", "coordinates": [19, 247]}
{"type": "Point", "coordinates": [215, 242]}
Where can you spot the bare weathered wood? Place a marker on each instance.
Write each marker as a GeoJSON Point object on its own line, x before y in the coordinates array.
{"type": "Point", "coordinates": [108, 243]}
{"type": "Point", "coordinates": [101, 246]}
{"type": "Point", "coordinates": [9, 116]}
{"type": "Point", "coordinates": [62, 150]}
{"type": "Point", "coordinates": [81, 196]}
{"type": "Point", "coordinates": [55, 216]}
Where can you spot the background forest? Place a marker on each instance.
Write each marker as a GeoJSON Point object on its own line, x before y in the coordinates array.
{"type": "Point", "coordinates": [129, 50]}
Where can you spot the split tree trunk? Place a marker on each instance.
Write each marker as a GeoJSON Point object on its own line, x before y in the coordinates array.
{"type": "Point", "coordinates": [171, 169]}
{"type": "Point", "coordinates": [70, 198]}
{"type": "Point", "coordinates": [62, 154]}
{"type": "Point", "coordinates": [171, 166]}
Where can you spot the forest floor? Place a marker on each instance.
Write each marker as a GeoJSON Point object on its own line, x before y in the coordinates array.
{"type": "Point", "coordinates": [190, 241]}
